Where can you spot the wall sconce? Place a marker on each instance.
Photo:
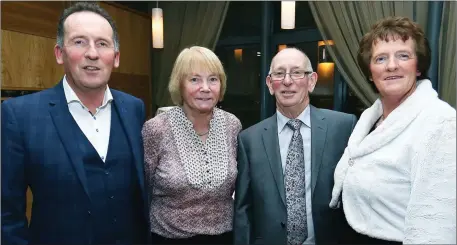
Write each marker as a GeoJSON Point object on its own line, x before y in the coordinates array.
{"type": "Point", "coordinates": [157, 27]}
{"type": "Point", "coordinates": [281, 47]}
{"type": "Point", "coordinates": [324, 56]}
{"type": "Point", "coordinates": [238, 53]}
{"type": "Point", "coordinates": [287, 14]}
{"type": "Point", "coordinates": [325, 69]}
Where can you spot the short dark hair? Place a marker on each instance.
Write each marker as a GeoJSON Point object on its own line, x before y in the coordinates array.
{"type": "Point", "coordinates": [83, 7]}
{"type": "Point", "coordinates": [393, 28]}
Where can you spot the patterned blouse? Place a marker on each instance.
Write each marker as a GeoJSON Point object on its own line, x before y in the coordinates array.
{"type": "Point", "coordinates": [190, 183]}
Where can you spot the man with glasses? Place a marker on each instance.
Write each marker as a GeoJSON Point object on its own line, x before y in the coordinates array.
{"type": "Point", "coordinates": [286, 163]}
{"type": "Point", "coordinates": [77, 146]}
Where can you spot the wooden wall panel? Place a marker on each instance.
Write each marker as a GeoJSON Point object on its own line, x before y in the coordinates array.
{"type": "Point", "coordinates": [28, 39]}
{"type": "Point", "coordinates": [137, 85]}
{"type": "Point", "coordinates": [41, 18]}
{"type": "Point", "coordinates": [37, 18]}
{"type": "Point", "coordinates": [134, 34]}
{"type": "Point", "coordinates": [28, 61]}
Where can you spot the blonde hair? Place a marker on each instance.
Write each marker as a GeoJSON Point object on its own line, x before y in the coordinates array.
{"type": "Point", "coordinates": [190, 60]}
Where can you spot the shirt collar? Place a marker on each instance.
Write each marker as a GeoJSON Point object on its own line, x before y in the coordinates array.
{"type": "Point", "coordinates": [304, 117]}
{"type": "Point", "coordinates": [71, 96]}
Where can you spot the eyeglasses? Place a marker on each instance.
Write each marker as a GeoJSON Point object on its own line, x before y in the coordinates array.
{"type": "Point", "coordinates": [399, 56]}
{"type": "Point", "coordinates": [294, 75]}
{"type": "Point", "coordinates": [84, 45]}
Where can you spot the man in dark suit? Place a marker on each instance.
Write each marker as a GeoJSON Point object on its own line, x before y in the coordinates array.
{"type": "Point", "coordinates": [77, 146]}
{"type": "Point", "coordinates": [286, 163]}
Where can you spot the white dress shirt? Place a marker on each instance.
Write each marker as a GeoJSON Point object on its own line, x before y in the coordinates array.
{"type": "Point", "coordinates": [285, 136]}
{"type": "Point", "coordinates": [95, 127]}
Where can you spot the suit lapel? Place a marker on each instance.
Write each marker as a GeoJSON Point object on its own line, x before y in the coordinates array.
{"type": "Point", "coordinates": [127, 114]}
{"type": "Point", "coordinates": [271, 144]}
{"type": "Point", "coordinates": [318, 138]}
{"type": "Point", "coordinates": [63, 120]}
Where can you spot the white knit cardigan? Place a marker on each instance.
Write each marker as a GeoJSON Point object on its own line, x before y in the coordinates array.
{"type": "Point", "coordinates": [399, 182]}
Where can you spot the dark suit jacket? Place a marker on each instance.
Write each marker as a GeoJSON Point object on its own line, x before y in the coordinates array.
{"type": "Point", "coordinates": [36, 136]}
{"type": "Point", "coordinates": [260, 207]}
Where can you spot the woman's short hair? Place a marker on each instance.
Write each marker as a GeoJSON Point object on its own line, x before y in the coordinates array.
{"type": "Point", "coordinates": [191, 60]}
{"type": "Point", "coordinates": [391, 28]}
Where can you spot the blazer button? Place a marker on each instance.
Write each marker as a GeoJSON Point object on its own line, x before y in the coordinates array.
{"type": "Point", "coordinates": [283, 225]}
{"type": "Point", "coordinates": [88, 212]}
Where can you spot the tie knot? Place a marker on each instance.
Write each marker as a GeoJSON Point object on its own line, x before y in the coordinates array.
{"type": "Point", "coordinates": [294, 124]}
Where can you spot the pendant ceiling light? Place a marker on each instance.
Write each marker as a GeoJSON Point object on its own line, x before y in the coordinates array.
{"type": "Point", "coordinates": [157, 27]}
{"type": "Point", "coordinates": [287, 14]}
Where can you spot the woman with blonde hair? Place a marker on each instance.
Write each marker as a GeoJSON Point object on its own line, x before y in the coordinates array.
{"type": "Point", "coordinates": [190, 156]}
{"type": "Point", "coordinates": [396, 179]}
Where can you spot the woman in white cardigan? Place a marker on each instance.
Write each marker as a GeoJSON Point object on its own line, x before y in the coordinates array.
{"type": "Point", "coordinates": [396, 179]}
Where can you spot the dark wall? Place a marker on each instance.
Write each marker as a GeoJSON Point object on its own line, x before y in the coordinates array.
{"type": "Point", "coordinates": [136, 5]}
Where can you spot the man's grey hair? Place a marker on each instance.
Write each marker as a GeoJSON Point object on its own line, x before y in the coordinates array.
{"type": "Point", "coordinates": [85, 7]}
{"type": "Point", "coordinates": [308, 65]}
